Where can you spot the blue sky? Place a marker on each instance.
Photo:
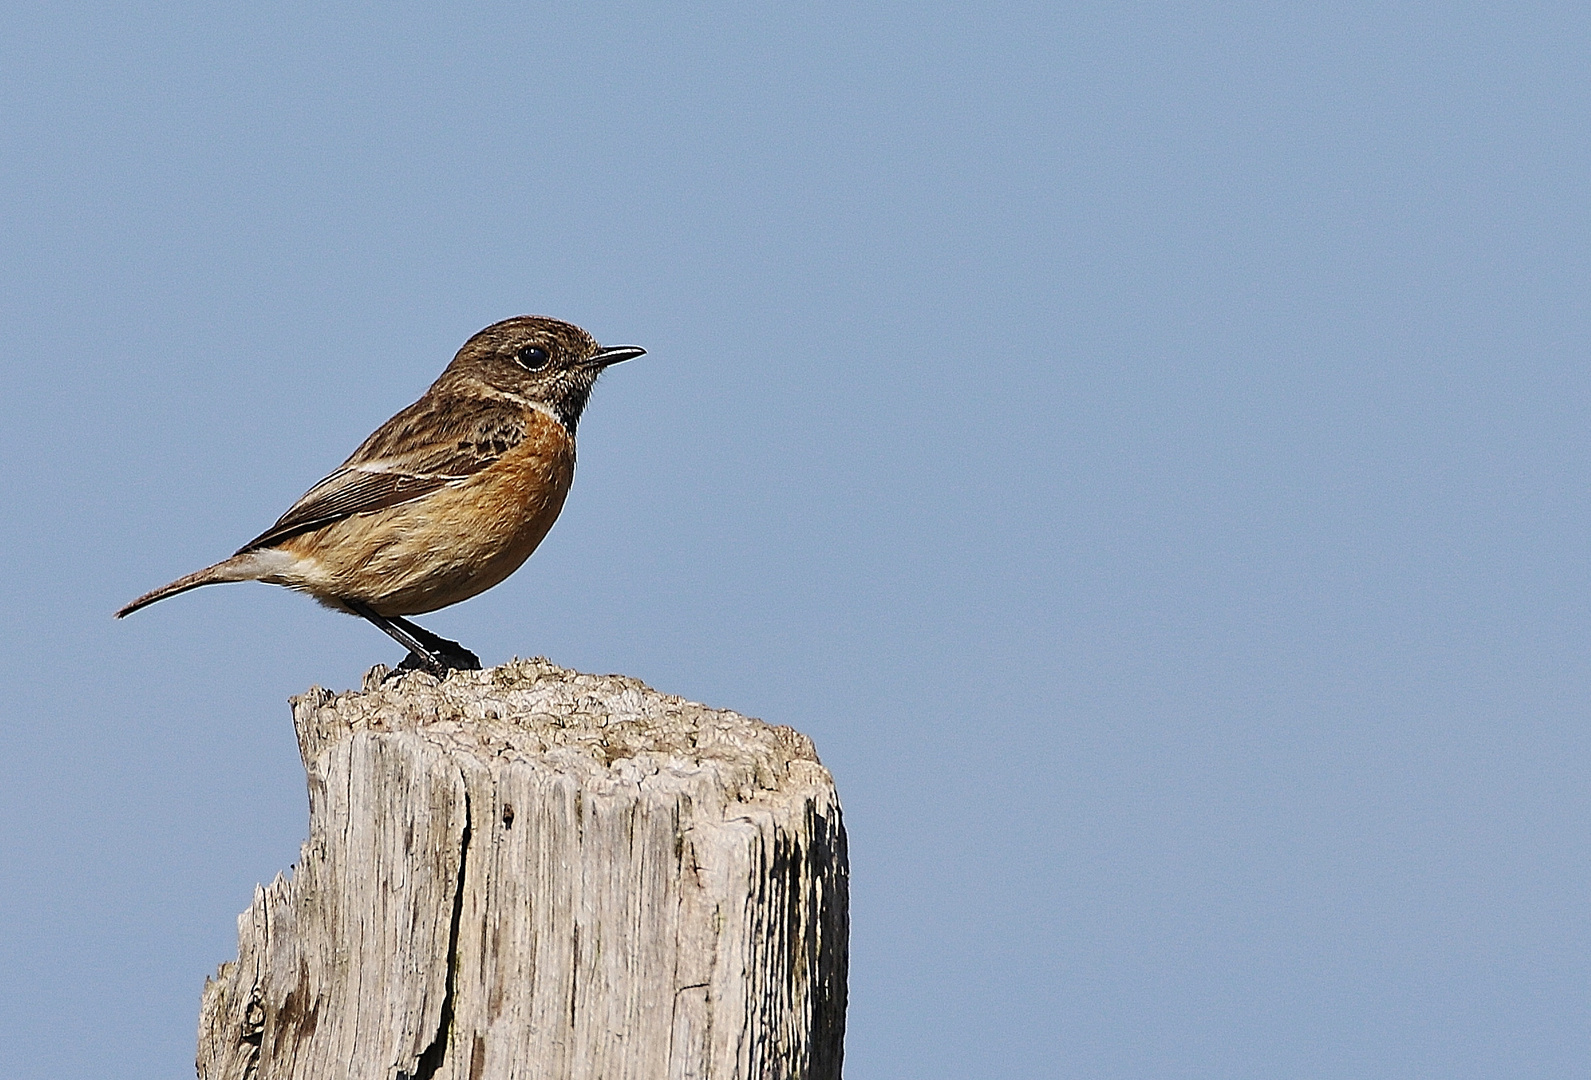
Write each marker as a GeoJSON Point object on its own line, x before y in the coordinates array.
{"type": "Point", "coordinates": [1143, 444]}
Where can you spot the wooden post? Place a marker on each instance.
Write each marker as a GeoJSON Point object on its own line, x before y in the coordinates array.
{"type": "Point", "coordinates": [528, 872]}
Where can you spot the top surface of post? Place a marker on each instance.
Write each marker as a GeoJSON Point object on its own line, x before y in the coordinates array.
{"type": "Point", "coordinates": [536, 709]}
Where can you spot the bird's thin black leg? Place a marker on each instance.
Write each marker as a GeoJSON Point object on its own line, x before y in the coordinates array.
{"type": "Point", "coordinates": [452, 653]}
{"type": "Point", "coordinates": [436, 654]}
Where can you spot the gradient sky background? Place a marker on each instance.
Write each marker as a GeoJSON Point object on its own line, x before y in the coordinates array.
{"type": "Point", "coordinates": [1144, 445]}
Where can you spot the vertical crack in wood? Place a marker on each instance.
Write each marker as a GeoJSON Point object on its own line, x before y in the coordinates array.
{"type": "Point", "coordinates": [253, 1032]}
{"type": "Point", "coordinates": [432, 1057]}
{"type": "Point", "coordinates": [574, 977]}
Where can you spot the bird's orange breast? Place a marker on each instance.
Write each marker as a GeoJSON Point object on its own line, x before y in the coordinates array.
{"type": "Point", "coordinates": [448, 545]}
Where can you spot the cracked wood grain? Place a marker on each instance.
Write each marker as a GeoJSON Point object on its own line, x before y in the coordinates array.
{"type": "Point", "coordinates": [527, 872]}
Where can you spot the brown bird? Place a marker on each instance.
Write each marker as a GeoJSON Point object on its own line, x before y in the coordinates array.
{"type": "Point", "coordinates": [444, 500]}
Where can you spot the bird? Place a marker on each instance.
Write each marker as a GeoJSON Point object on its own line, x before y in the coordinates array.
{"type": "Point", "coordinates": [444, 500]}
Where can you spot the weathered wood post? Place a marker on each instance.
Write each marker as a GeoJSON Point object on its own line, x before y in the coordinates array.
{"type": "Point", "coordinates": [527, 872]}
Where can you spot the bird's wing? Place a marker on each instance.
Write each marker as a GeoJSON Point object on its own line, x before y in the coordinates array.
{"type": "Point", "coordinates": [432, 443]}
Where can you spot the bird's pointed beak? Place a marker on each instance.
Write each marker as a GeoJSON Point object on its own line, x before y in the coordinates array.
{"type": "Point", "coordinates": [618, 354]}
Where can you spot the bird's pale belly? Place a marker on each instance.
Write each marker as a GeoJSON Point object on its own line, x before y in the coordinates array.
{"type": "Point", "coordinates": [446, 546]}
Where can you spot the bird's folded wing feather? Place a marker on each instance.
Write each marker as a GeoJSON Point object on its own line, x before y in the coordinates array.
{"type": "Point", "coordinates": [425, 447]}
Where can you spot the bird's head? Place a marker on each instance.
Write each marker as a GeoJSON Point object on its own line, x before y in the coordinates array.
{"type": "Point", "coordinates": [543, 360]}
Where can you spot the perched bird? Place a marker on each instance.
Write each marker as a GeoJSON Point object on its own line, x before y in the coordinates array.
{"type": "Point", "coordinates": [444, 500]}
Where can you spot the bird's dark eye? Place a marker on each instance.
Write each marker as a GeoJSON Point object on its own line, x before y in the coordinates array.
{"type": "Point", "coordinates": [531, 357]}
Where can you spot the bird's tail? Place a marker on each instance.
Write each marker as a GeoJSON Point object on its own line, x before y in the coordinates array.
{"type": "Point", "coordinates": [244, 566]}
